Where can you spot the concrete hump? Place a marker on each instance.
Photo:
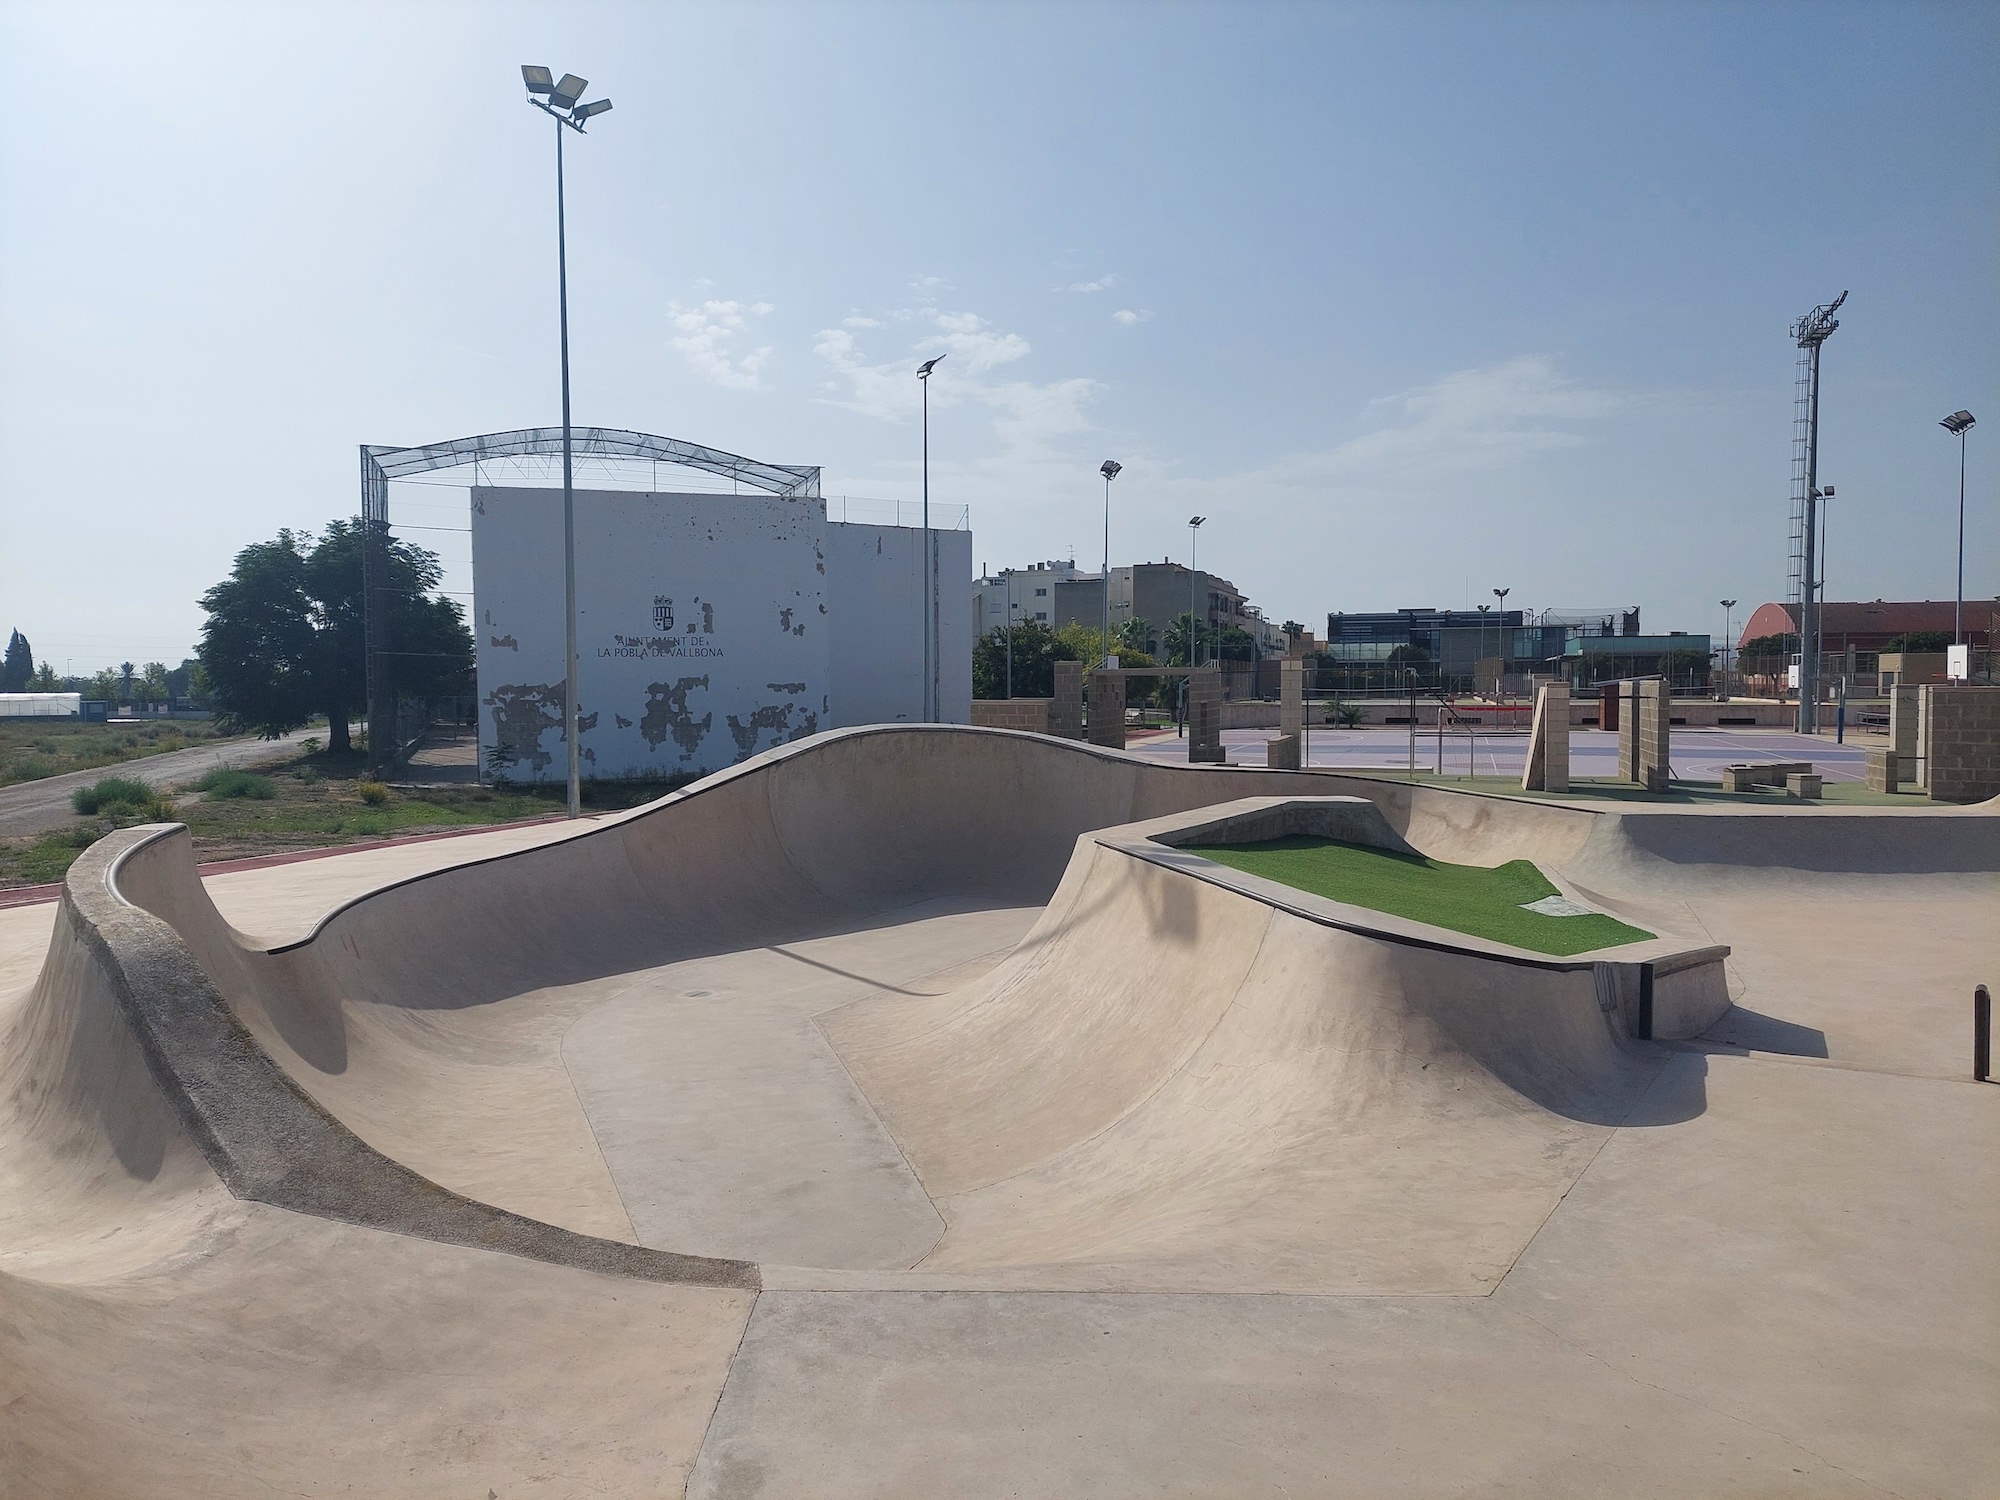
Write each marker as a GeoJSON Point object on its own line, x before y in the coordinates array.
{"type": "Point", "coordinates": [1172, 1084]}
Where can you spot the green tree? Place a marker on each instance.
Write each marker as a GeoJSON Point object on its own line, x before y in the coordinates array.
{"type": "Point", "coordinates": [1909, 640]}
{"type": "Point", "coordinates": [284, 638]}
{"type": "Point", "coordinates": [1036, 651]}
{"type": "Point", "coordinates": [1684, 668]}
{"type": "Point", "coordinates": [46, 680]}
{"type": "Point", "coordinates": [1236, 644]}
{"type": "Point", "coordinates": [1175, 641]}
{"type": "Point", "coordinates": [18, 666]}
{"type": "Point", "coordinates": [1132, 635]}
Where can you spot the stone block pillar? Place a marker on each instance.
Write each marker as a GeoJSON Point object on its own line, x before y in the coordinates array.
{"type": "Point", "coordinates": [1107, 709]}
{"type": "Point", "coordinates": [1903, 737]}
{"type": "Point", "coordinates": [1066, 709]}
{"type": "Point", "coordinates": [1961, 741]}
{"type": "Point", "coordinates": [1282, 753]}
{"type": "Point", "coordinates": [1291, 696]}
{"type": "Point", "coordinates": [1205, 716]}
{"type": "Point", "coordinates": [1642, 733]}
{"type": "Point", "coordinates": [1547, 769]}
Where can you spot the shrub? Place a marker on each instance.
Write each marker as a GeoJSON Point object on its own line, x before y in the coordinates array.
{"type": "Point", "coordinates": [110, 792]}
{"type": "Point", "coordinates": [242, 784]}
{"type": "Point", "coordinates": [305, 775]}
{"type": "Point", "coordinates": [310, 744]}
{"type": "Point", "coordinates": [372, 792]}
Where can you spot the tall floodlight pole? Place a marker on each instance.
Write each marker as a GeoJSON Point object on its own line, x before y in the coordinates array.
{"type": "Point", "coordinates": [557, 98]}
{"type": "Point", "coordinates": [1958, 424]}
{"type": "Point", "coordinates": [1501, 595]}
{"type": "Point", "coordinates": [1194, 593]}
{"type": "Point", "coordinates": [1809, 332]}
{"type": "Point", "coordinates": [931, 651]}
{"type": "Point", "coordinates": [1110, 469]}
{"type": "Point", "coordinates": [1727, 606]}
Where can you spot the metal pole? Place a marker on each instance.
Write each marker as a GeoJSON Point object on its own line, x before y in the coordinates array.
{"type": "Point", "coordinates": [1107, 569]}
{"type": "Point", "coordinates": [1808, 716]}
{"type": "Point", "coordinates": [1958, 599]}
{"type": "Point", "coordinates": [1982, 1034]}
{"type": "Point", "coordinates": [1010, 633]}
{"type": "Point", "coordinates": [928, 715]}
{"type": "Point", "coordinates": [1194, 596]}
{"type": "Point", "coordinates": [569, 497]}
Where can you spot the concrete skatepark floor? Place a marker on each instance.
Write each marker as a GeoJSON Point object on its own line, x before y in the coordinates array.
{"type": "Point", "coordinates": [1051, 1173]}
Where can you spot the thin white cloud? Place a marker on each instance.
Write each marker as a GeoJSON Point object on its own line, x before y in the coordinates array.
{"type": "Point", "coordinates": [860, 323]}
{"type": "Point", "coordinates": [706, 338]}
{"type": "Point", "coordinates": [1028, 416]}
{"type": "Point", "coordinates": [1128, 316]}
{"type": "Point", "coordinates": [1103, 283]}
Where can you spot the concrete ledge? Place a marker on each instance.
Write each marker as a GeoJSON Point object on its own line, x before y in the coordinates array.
{"type": "Point", "coordinates": [263, 1135]}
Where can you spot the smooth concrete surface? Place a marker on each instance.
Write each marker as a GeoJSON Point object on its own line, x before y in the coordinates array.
{"type": "Point", "coordinates": [1222, 1202]}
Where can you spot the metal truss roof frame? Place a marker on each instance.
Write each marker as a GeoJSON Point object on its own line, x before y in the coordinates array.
{"type": "Point", "coordinates": [381, 464]}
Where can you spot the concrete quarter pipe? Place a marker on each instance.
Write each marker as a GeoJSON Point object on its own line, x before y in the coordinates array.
{"type": "Point", "coordinates": [903, 1013]}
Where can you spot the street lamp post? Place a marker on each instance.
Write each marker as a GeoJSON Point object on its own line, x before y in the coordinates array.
{"type": "Point", "coordinates": [1727, 606]}
{"type": "Point", "coordinates": [1501, 595]}
{"type": "Point", "coordinates": [557, 98]}
{"type": "Point", "coordinates": [1194, 593]}
{"type": "Point", "coordinates": [1958, 424]}
{"type": "Point", "coordinates": [930, 563]}
{"type": "Point", "coordinates": [1110, 469]}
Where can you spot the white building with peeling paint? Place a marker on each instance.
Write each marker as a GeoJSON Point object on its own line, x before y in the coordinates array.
{"type": "Point", "coordinates": [709, 627]}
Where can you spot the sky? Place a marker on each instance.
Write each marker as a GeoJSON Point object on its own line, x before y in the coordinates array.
{"type": "Point", "coordinates": [1413, 301]}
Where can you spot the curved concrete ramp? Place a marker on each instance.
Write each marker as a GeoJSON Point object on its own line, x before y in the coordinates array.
{"type": "Point", "coordinates": [1172, 1082]}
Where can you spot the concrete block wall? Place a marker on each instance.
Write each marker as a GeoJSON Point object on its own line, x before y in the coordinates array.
{"type": "Point", "coordinates": [1031, 714]}
{"type": "Point", "coordinates": [1961, 742]}
{"type": "Point", "coordinates": [1066, 708]}
{"type": "Point", "coordinates": [1204, 728]}
{"type": "Point", "coordinates": [1107, 710]}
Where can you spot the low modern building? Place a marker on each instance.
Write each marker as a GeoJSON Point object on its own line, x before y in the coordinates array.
{"type": "Point", "coordinates": [1866, 629]}
{"type": "Point", "coordinates": [1159, 594]}
{"type": "Point", "coordinates": [1500, 650]}
{"type": "Point", "coordinates": [1020, 595]}
{"type": "Point", "coordinates": [709, 627]}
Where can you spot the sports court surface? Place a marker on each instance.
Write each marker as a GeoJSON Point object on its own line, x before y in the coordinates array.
{"type": "Point", "coordinates": [907, 1111]}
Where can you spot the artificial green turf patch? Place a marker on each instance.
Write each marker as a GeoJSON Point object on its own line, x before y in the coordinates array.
{"type": "Point", "coordinates": [1465, 898]}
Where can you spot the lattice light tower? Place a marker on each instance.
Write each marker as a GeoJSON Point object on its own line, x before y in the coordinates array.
{"type": "Point", "coordinates": [1814, 329]}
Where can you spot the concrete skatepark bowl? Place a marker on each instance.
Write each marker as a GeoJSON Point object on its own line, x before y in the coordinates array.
{"type": "Point", "coordinates": [904, 1112]}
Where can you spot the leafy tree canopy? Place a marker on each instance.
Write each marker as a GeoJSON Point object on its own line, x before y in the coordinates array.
{"type": "Point", "coordinates": [1909, 640]}
{"type": "Point", "coordinates": [1761, 647]}
{"type": "Point", "coordinates": [1036, 651]}
{"type": "Point", "coordinates": [284, 638]}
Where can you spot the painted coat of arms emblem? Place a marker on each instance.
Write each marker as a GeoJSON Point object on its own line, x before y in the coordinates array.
{"type": "Point", "coordinates": [663, 613]}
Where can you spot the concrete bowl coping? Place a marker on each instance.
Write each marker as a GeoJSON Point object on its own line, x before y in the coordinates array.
{"type": "Point", "coordinates": [1629, 976]}
{"type": "Point", "coordinates": [261, 1133]}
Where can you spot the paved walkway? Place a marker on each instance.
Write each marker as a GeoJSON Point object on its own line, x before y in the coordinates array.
{"type": "Point", "coordinates": [38, 806]}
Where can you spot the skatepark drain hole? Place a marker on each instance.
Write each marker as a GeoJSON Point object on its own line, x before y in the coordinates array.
{"type": "Point", "coordinates": [1493, 903]}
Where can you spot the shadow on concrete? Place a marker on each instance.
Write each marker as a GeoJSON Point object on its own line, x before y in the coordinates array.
{"type": "Point", "coordinates": [1753, 1031]}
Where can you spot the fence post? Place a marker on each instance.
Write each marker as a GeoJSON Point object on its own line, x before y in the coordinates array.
{"type": "Point", "coordinates": [1982, 1035]}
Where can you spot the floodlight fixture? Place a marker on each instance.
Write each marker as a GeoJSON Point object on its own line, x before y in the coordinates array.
{"type": "Point", "coordinates": [1958, 424]}
{"type": "Point", "coordinates": [924, 369]}
{"type": "Point", "coordinates": [558, 101]}
{"type": "Point", "coordinates": [1110, 469]}
{"type": "Point", "coordinates": [1196, 520]}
